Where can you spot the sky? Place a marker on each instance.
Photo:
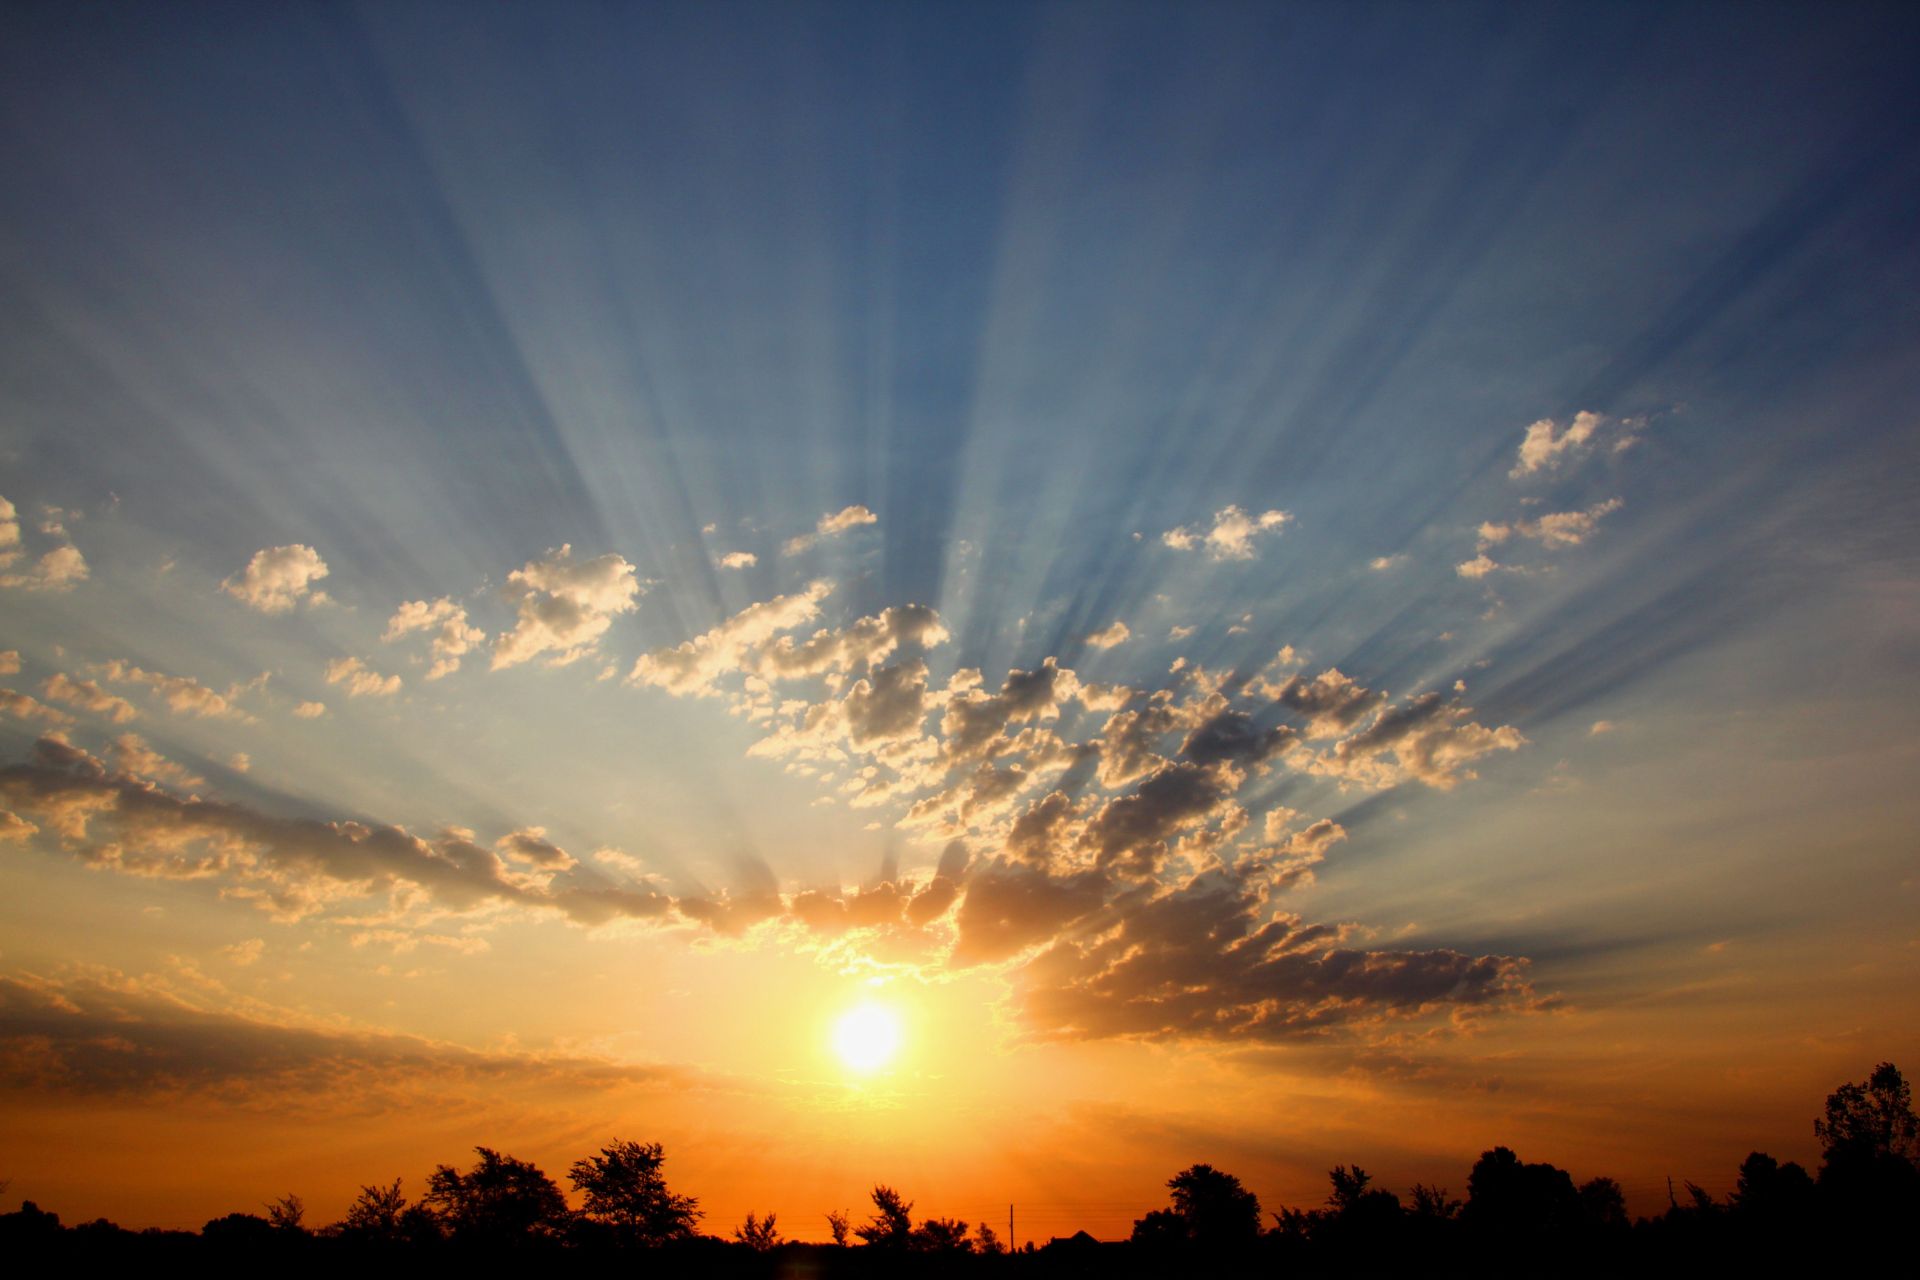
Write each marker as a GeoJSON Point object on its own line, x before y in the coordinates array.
{"type": "Point", "coordinates": [1275, 585]}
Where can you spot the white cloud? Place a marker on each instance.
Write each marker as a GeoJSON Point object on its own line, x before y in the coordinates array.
{"type": "Point", "coordinates": [88, 696]}
{"type": "Point", "coordinates": [836, 522]}
{"type": "Point", "coordinates": [310, 710]}
{"type": "Point", "coordinates": [23, 706]}
{"type": "Point", "coordinates": [133, 757]}
{"type": "Point", "coordinates": [1232, 534]}
{"type": "Point", "coordinates": [1556, 529]}
{"type": "Point", "coordinates": [565, 606]}
{"type": "Point", "coordinates": [1379, 564]}
{"type": "Point", "coordinates": [1478, 567]}
{"type": "Point", "coordinates": [1108, 637]}
{"type": "Point", "coordinates": [692, 667]}
{"type": "Point", "coordinates": [240, 762]}
{"type": "Point", "coordinates": [453, 635]}
{"type": "Point", "coordinates": [739, 560]}
{"type": "Point", "coordinates": [57, 570]}
{"type": "Point", "coordinates": [1545, 446]}
{"type": "Point", "coordinates": [361, 681]}
{"type": "Point", "coordinates": [277, 577]}
{"type": "Point", "coordinates": [182, 694]}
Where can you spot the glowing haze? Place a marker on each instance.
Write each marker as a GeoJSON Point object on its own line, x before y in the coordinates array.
{"type": "Point", "coordinates": [998, 600]}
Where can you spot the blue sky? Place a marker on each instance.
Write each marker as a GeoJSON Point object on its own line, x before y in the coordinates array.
{"type": "Point", "coordinates": [1044, 294]}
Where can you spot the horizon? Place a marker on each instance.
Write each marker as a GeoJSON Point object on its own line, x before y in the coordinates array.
{"type": "Point", "coordinates": [998, 599]}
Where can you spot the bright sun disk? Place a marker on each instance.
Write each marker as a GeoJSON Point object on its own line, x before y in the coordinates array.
{"type": "Point", "coordinates": [867, 1037]}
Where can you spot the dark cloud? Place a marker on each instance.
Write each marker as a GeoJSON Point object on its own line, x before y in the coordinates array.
{"type": "Point", "coordinates": [107, 1036]}
{"type": "Point", "coordinates": [294, 867]}
{"type": "Point", "coordinates": [1009, 908]}
{"type": "Point", "coordinates": [1131, 833]}
{"type": "Point", "coordinates": [1205, 960]}
{"type": "Point", "coordinates": [1231, 736]}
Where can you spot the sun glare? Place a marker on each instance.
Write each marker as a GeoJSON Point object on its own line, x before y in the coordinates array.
{"type": "Point", "coordinates": [867, 1037]}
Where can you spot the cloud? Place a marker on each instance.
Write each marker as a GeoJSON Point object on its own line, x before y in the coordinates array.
{"type": "Point", "coordinates": [23, 706]}
{"type": "Point", "coordinates": [9, 662]}
{"type": "Point", "coordinates": [134, 758]}
{"type": "Point", "coordinates": [565, 606]}
{"type": "Point", "coordinates": [1559, 529]}
{"type": "Point", "coordinates": [695, 666]}
{"type": "Point", "coordinates": [111, 819]}
{"type": "Point", "coordinates": [1479, 567]}
{"type": "Point", "coordinates": [1545, 446]}
{"type": "Point", "coordinates": [1232, 534]}
{"type": "Point", "coordinates": [243, 953]}
{"type": "Point", "coordinates": [1132, 834]}
{"type": "Point", "coordinates": [361, 681]}
{"type": "Point", "coordinates": [1431, 739]}
{"type": "Point", "coordinates": [1206, 960]}
{"type": "Point", "coordinates": [240, 762]}
{"type": "Point", "coordinates": [182, 694]}
{"type": "Point", "coordinates": [1552, 531]}
{"type": "Point", "coordinates": [739, 560]}
{"type": "Point", "coordinates": [1380, 564]}
{"type": "Point", "coordinates": [1601, 726]}
{"type": "Point", "coordinates": [453, 636]}
{"type": "Point", "coordinates": [829, 525]}
{"type": "Point", "coordinates": [277, 578]}
{"type": "Point", "coordinates": [310, 710]}
{"type": "Point", "coordinates": [9, 533]}
{"type": "Point", "coordinates": [58, 570]}
{"type": "Point", "coordinates": [1011, 907]}
{"type": "Point", "coordinates": [88, 696]}
{"type": "Point", "coordinates": [1111, 636]}
{"type": "Point", "coordinates": [1331, 702]}
{"type": "Point", "coordinates": [530, 844]}
{"type": "Point", "coordinates": [14, 827]}
{"type": "Point", "coordinates": [154, 1040]}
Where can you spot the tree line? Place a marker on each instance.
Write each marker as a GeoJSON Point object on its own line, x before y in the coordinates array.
{"type": "Point", "coordinates": [1514, 1216]}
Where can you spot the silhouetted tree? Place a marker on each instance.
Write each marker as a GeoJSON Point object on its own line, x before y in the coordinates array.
{"type": "Point", "coordinates": [1432, 1203]}
{"type": "Point", "coordinates": [1511, 1200]}
{"type": "Point", "coordinates": [988, 1241]}
{"type": "Point", "coordinates": [375, 1212]}
{"type": "Point", "coordinates": [1217, 1210]}
{"type": "Point", "coordinates": [891, 1226]}
{"type": "Point", "coordinates": [838, 1225]}
{"type": "Point", "coordinates": [1603, 1206]}
{"type": "Point", "coordinates": [941, 1235]}
{"type": "Point", "coordinates": [499, 1200]}
{"type": "Point", "coordinates": [1870, 1120]}
{"type": "Point", "coordinates": [624, 1187]}
{"type": "Point", "coordinates": [1160, 1228]}
{"type": "Point", "coordinates": [1868, 1178]}
{"type": "Point", "coordinates": [1769, 1190]}
{"type": "Point", "coordinates": [288, 1213]}
{"type": "Point", "coordinates": [758, 1234]}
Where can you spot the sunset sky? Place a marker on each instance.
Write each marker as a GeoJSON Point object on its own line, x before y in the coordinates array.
{"type": "Point", "coordinates": [1270, 585]}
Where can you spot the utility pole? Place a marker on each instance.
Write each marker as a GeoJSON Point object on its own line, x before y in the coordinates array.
{"type": "Point", "coordinates": [1013, 1245]}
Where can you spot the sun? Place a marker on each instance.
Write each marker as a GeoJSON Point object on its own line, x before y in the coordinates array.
{"type": "Point", "coordinates": [867, 1037]}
